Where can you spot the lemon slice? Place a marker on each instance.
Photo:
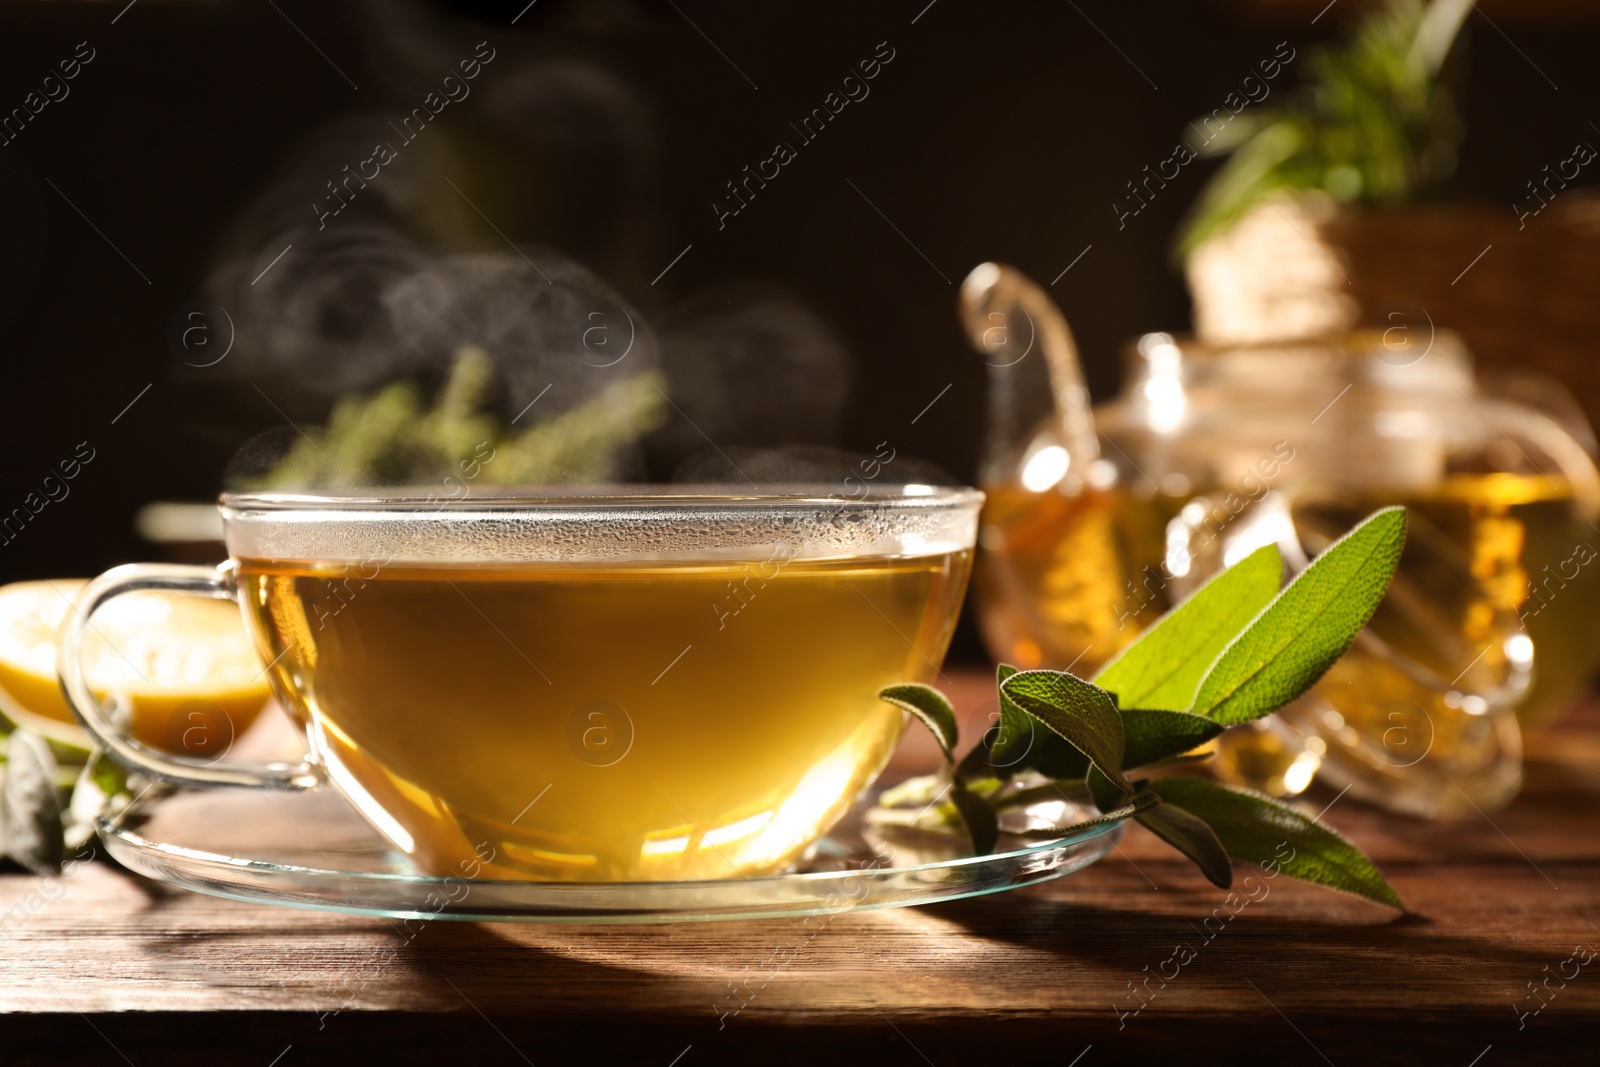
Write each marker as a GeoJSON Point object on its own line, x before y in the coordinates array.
{"type": "Point", "coordinates": [182, 668]}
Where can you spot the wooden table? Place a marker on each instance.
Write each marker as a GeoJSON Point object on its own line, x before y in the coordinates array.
{"type": "Point", "coordinates": [105, 967]}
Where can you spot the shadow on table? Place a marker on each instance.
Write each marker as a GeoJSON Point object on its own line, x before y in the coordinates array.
{"type": "Point", "coordinates": [1402, 953]}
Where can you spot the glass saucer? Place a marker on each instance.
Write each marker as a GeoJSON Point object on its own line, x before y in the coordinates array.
{"type": "Point", "coordinates": [310, 850]}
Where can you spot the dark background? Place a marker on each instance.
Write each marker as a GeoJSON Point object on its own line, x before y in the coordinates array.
{"type": "Point", "coordinates": [999, 131]}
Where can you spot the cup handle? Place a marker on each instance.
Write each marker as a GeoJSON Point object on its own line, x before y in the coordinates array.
{"type": "Point", "coordinates": [213, 582]}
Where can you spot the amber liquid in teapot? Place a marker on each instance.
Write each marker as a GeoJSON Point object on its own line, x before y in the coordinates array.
{"type": "Point", "coordinates": [1069, 581]}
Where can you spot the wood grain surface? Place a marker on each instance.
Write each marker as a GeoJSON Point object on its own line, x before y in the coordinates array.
{"type": "Point", "coordinates": [104, 967]}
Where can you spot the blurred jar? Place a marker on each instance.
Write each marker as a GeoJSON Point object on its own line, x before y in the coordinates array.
{"type": "Point", "coordinates": [1215, 450]}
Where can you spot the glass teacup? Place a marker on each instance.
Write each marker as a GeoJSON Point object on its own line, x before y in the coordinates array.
{"type": "Point", "coordinates": [663, 685]}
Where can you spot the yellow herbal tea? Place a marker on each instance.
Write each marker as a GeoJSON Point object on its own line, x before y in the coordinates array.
{"type": "Point", "coordinates": [602, 721]}
{"type": "Point", "coordinates": [1527, 547]}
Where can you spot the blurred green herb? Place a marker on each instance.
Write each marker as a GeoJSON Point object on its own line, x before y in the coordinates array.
{"type": "Point", "coordinates": [392, 437]}
{"type": "Point", "coordinates": [1235, 651]}
{"type": "Point", "coordinates": [51, 793]}
{"type": "Point", "coordinates": [30, 805]}
{"type": "Point", "coordinates": [1374, 123]}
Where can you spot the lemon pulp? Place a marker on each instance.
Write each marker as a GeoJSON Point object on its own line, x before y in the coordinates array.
{"type": "Point", "coordinates": [181, 667]}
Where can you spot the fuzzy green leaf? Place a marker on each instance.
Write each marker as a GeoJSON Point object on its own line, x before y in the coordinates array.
{"type": "Point", "coordinates": [1017, 736]}
{"type": "Point", "coordinates": [1078, 711]}
{"type": "Point", "coordinates": [1137, 803]}
{"type": "Point", "coordinates": [1020, 743]}
{"type": "Point", "coordinates": [1107, 795]}
{"type": "Point", "coordinates": [1164, 667]}
{"type": "Point", "coordinates": [1153, 735]}
{"type": "Point", "coordinates": [1310, 625]}
{"type": "Point", "coordinates": [30, 805]}
{"type": "Point", "coordinates": [975, 764]}
{"type": "Point", "coordinates": [983, 825]}
{"type": "Point", "coordinates": [1054, 758]}
{"type": "Point", "coordinates": [1150, 736]}
{"type": "Point", "coordinates": [929, 705]}
{"type": "Point", "coordinates": [1190, 835]}
{"type": "Point", "coordinates": [1256, 829]}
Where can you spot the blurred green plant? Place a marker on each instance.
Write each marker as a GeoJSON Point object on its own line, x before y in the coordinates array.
{"type": "Point", "coordinates": [51, 794]}
{"type": "Point", "coordinates": [1374, 123]}
{"type": "Point", "coordinates": [391, 437]}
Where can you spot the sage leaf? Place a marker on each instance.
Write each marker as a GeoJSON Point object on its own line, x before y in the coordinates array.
{"type": "Point", "coordinates": [1178, 761]}
{"type": "Point", "coordinates": [1137, 803]}
{"type": "Point", "coordinates": [1020, 743]}
{"type": "Point", "coordinates": [1059, 759]}
{"type": "Point", "coordinates": [1016, 736]}
{"type": "Point", "coordinates": [30, 805]}
{"type": "Point", "coordinates": [1189, 834]}
{"type": "Point", "coordinates": [1150, 736]}
{"type": "Point", "coordinates": [929, 705]}
{"type": "Point", "coordinates": [1164, 667]}
{"type": "Point", "coordinates": [1307, 627]}
{"type": "Point", "coordinates": [1153, 735]}
{"type": "Point", "coordinates": [1107, 795]}
{"type": "Point", "coordinates": [975, 764]}
{"type": "Point", "coordinates": [1079, 711]}
{"type": "Point", "coordinates": [983, 825]}
{"type": "Point", "coordinates": [1257, 829]}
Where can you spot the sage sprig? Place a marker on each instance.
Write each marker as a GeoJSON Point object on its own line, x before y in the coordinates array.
{"type": "Point", "coordinates": [1235, 651]}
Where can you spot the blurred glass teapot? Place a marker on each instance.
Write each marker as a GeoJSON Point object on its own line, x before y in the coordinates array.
{"type": "Point", "coordinates": [1099, 520]}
